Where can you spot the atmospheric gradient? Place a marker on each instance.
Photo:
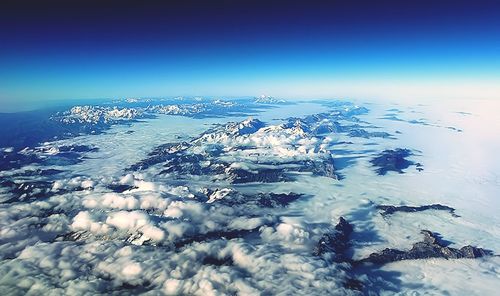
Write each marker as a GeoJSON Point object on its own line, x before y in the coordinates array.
{"type": "Point", "coordinates": [249, 148]}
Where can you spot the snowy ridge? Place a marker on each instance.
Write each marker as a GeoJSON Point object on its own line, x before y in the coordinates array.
{"type": "Point", "coordinates": [263, 99]}
{"type": "Point", "coordinates": [246, 151]}
{"type": "Point", "coordinates": [97, 114]}
{"type": "Point", "coordinates": [189, 109]}
{"type": "Point", "coordinates": [130, 109]}
{"type": "Point", "coordinates": [246, 207]}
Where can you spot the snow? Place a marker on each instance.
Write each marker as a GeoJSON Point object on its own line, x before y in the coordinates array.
{"type": "Point", "coordinates": [219, 193]}
{"type": "Point", "coordinates": [7, 149]}
{"type": "Point", "coordinates": [132, 234]}
{"type": "Point", "coordinates": [97, 114]}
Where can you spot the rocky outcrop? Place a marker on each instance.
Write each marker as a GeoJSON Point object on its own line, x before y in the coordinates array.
{"type": "Point", "coordinates": [250, 151]}
{"type": "Point", "coordinates": [47, 155]}
{"type": "Point", "coordinates": [430, 247]}
{"type": "Point", "coordinates": [77, 148]}
{"type": "Point", "coordinates": [389, 210]}
{"type": "Point", "coordinates": [275, 200]}
{"type": "Point", "coordinates": [38, 172]}
{"type": "Point", "coordinates": [335, 244]}
{"type": "Point", "coordinates": [214, 235]}
{"type": "Point", "coordinates": [25, 191]}
{"type": "Point", "coordinates": [239, 176]}
{"type": "Point", "coordinates": [392, 160]}
{"type": "Point", "coordinates": [119, 188]}
{"type": "Point", "coordinates": [324, 168]}
{"type": "Point", "coordinates": [160, 154]}
{"type": "Point", "coordinates": [14, 160]}
{"type": "Point", "coordinates": [233, 199]}
{"type": "Point", "coordinates": [362, 133]}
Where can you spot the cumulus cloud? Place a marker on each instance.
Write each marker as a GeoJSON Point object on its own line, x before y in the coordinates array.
{"type": "Point", "coordinates": [112, 230]}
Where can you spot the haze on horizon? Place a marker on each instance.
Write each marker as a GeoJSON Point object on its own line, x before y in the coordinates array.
{"type": "Point", "coordinates": [57, 50]}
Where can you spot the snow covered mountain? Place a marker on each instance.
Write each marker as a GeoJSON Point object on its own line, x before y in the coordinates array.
{"type": "Point", "coordinates": [227, 198]}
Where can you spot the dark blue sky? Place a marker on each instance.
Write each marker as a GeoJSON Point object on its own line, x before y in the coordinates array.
{"type": "Point", "coordinates": [87, 49]}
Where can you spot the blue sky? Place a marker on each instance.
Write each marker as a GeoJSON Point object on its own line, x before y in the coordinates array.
{"type": "Point", "coordinates": [78, 50]}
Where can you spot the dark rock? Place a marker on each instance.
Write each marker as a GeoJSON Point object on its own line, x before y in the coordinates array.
{"type": "Point", "coordinates": [328, 122]}
{"type": "Point", "coordinates": [260, 200]}
{"type": "Point", "coordinates": [14, 160]}
{"type": "Point", "coordinates": [335, 244]}
{"type": "Point", "coordinates": [184, 164]}
{"type": "Point", "coordinates": [454, 129]}
{"type": "Point", "coordinates": [135, 238]}
{"type": "Point", "coordinates": [77, 148]}
{"type": "Point", "coordinates": [119, 188]}
{"type": "Point", "coordinates": [63, 159]}
{"type": "Point", "coordinates": [67, 155]}
{"type": "Point", "coordinates": [473, 252]}
{"type": "Point", "coordinates": [361, 133]}
{"type": "Point", "coordinates": [298, 124]}
{"type": "Point", "coordinates": [29, 190]}
{"type": "Point", "coordinates": [392, 160]}
{"type": "Point", "coordinates": [353, 284]}
{"type": "Point", "coordinates": [49, 172]}
{"type": "Point", "coordinates": [323, 168]}
{"type": "Point", "coordinates": [74, 236]}
{"type": "Point", "coordinates": [388, 210]}
{"type": "Point", "coordinates": [38, 172]}
{"type": "Point", "coordinates": [214, 235]}
{"type": "Point", "coordinates": [130, 289]}
{"type": "Point", "coordinates": [29, 129]}
{"type": "Point", "coordinates": [210, 260]}
{"type": "Point", "coordinates": [325, 128]}
{"type": "Point", "coordinates": [160, 154]}
{"type": "Point", "coordinates": [430, 247]}
{"type": "Point", "coordinates": [239, 176]}
{"type": "Point", "coordinates": [275, 200]}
